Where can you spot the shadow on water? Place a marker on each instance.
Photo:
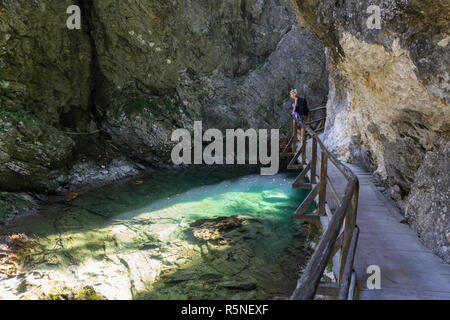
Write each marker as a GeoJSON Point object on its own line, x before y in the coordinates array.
{"type": "Point", "coordinates": [147, 235]}
{"type": "Point", "coordinates": [236, 263]}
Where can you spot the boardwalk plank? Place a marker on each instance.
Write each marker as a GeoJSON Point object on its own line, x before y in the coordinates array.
{"type": "Point", "coordinates": [409, 270]}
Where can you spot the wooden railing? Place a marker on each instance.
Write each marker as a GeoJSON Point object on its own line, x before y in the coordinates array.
{"type": "Point", "coordinates": [316, 120]}
{"type": "Point", "coordinates": [340, 231]}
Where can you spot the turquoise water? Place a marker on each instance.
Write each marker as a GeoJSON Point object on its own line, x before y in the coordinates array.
{"type": "Point", "coordinates": [194, 234]}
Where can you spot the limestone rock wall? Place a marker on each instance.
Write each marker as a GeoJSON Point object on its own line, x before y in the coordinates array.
{"type": "Point", "coordinates": [228, 63]}
{"type": "Point", "coordinates": [72, 101]}
{"type": "Point", "coordinates": [45, 68]}
{"type": "Point", "coordinates": [44, 80]}
{"type": "Point", "coordinates": [388, 104]}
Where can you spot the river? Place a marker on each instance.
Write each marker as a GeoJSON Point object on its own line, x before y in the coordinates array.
{"type": "Point", "coordinates": [215, 233]}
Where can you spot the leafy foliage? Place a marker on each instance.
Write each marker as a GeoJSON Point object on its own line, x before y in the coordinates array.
{"type": "Point", "coordinates": [21, 115]}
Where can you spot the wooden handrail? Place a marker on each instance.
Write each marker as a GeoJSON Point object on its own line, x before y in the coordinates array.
{"type": "Point", "coordinates": [348, 269]}
{"type": "Point", "coordinates": [291, 139]}
{"type": "Point", "coordinates": [348, 174]}
{"type": "Point", "coordinates": [315, 121]}
{"type": "Point", "coordinates": [341, 234]}
{"type": "Point", "coordinates": [318, 109]}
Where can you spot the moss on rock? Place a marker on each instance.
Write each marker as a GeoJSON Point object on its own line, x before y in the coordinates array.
{"type": "Point", "coordinates": [13, 205]}
{"type": "Point", "coordinates": [60, 291]}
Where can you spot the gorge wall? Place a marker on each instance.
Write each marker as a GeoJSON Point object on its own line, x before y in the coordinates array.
{"type": "Point", "coordinates": [84, 106]}
{"type": "Point", "coordinates": [388, 105]}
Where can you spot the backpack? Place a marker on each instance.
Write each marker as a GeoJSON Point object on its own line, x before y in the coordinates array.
{"type": "Point", "coordinates": [302, 107]}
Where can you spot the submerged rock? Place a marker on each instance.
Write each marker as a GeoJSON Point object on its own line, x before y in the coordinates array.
{"type": "Point", "coordinates": [16, 253]}
{"type": "Point", "coordinates": [232, 260]}
{"type": "Point", "coordinates": [220, 228]}
{"type": "Point", "coordinates": [127, 241]}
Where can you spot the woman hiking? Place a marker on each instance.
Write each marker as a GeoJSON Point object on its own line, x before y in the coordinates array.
{"type": "Point", "coordinates": [299, 108]}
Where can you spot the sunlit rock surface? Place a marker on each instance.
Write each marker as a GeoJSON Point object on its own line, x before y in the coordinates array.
{"type": "Point", "coordinates": [388, 104]}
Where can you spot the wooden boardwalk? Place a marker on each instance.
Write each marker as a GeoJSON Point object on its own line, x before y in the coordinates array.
{"type": "Point", "coordinates": [362, 229]}
{"type": "Point", "coordinates": [409, 270]}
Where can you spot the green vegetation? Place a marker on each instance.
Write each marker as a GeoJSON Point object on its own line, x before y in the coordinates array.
{"type": "Point", "coordinates": [61, 292]}
{"type": "Point", "coordinates": [258, 66]}
{"type": "Point", "coordinates": [164, 107]}
{"type": "Point", "coordinates": [253, 69]}
{"type": "Point", "coordinates": [329, 268]}
{"type": "Point", "coordinates": [88, 293]}
{"type": "Point", "coordinates": [136, 105]}
{"type": "Point", "coordinates": [21, 115]}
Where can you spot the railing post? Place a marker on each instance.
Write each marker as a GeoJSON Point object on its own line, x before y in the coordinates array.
{"type": "Point", "coordinates": [341, 233]}
{"type": "Point", "coordinates": [346, 275]}
{"type": "Point", "coordinates": [304, 144]}
{"type": "Point", "coordinates": [307, 285]}
{"type": "Point", "coordinates": [294, 136]}
{"type": "Point", "coordinates": [313, 161]}
{"type": "Point", "coordinates": [305, 137]}
{"type": "Point", "coordinates": [349, 227]}
{"type": "Point", "coordinates": [323, 184]}
{"type": "Point", "coordinates": [324, 116]}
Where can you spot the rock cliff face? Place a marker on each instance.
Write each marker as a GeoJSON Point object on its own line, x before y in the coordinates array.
{"type": "Point", "coordinates": [388, 105]}
{"type": "Point", "coordinates": [84, 106]}
{"type": "Point", "coordinates": [72, 100]}
{"type": "Point", "coordinates": [227, 63]}
{"type": "Point", "coordinates": [41, 79]}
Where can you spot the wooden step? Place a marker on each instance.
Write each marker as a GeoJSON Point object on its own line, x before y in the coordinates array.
{"type": "Point", "coordinates": [307, 217]}
{"type": "Point", "coordinates": [328, 289]}
{"type": "Point", "coordinates": [295, 167]}
{"type": "Point", "coordinates": [287, 154]}
{"type": "Point", "coordinates": [302, 186]}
